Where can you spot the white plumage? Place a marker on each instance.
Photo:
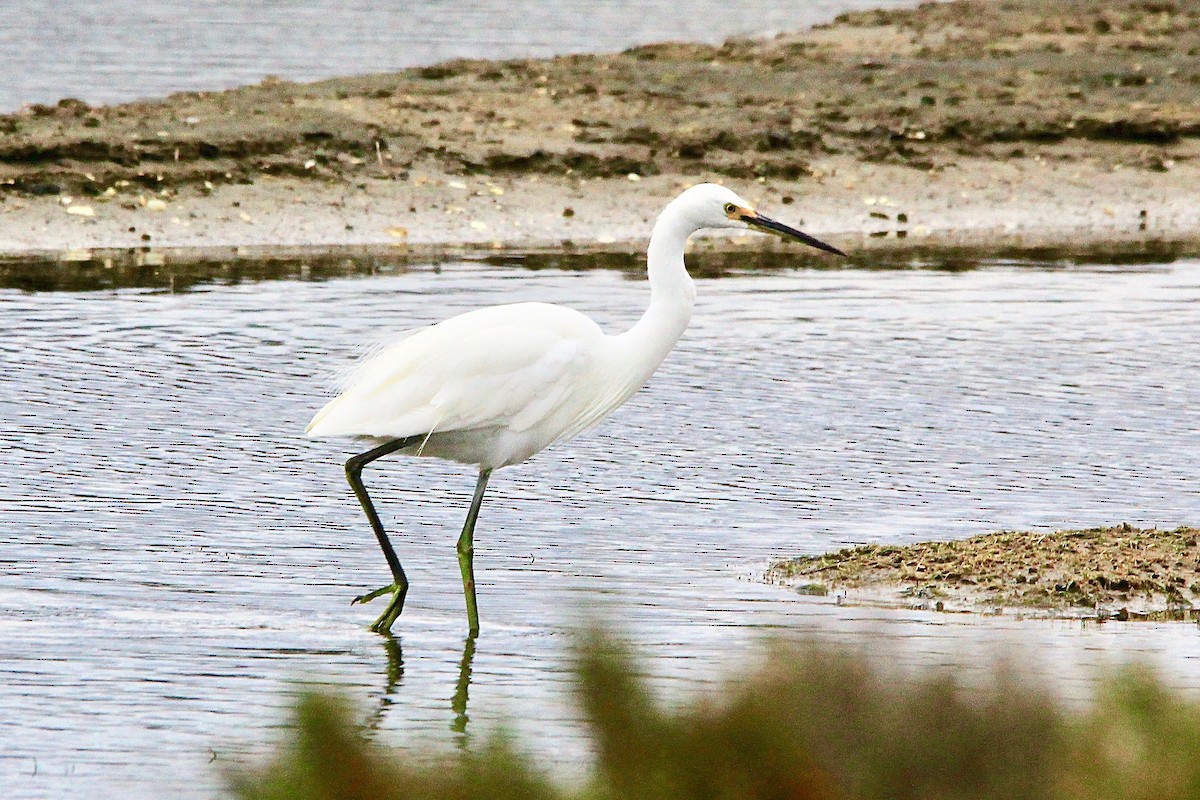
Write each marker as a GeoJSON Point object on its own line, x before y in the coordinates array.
{"type": "Point", "coordinates": [515, 376]}
{"type": "Point", "coordinates": [494, 386]}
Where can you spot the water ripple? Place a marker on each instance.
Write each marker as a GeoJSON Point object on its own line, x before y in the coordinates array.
{"type": "Point", "coordinates": [174, 554]}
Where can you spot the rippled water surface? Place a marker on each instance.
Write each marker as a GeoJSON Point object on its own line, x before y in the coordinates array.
{"type": "Point", "coordinates": [175, 554]}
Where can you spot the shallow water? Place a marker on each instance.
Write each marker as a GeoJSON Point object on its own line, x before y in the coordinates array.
{"type": "Point", "coordinates": [175, 555]}
{"type": "Point", "coordinates": [110, 51]}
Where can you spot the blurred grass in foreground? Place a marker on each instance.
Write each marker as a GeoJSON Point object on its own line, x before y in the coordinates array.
{"type": "Point", "coordinates": [810, 722]}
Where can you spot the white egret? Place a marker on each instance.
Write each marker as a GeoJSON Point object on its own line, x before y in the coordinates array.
{"type": "Point", "coordinates": [494, 386]}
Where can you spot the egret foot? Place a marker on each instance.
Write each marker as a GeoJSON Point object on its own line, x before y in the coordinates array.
{"type": "Point", "coordinates": [390, 614]}
{"type": "Point", "coordinates": [380, 592]}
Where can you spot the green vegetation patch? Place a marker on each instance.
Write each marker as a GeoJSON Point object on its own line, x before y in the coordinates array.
{"type": "Point", "coordinates": [809, 723]}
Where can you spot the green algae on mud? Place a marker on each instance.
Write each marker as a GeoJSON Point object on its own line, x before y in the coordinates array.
{"type": "Point", "coordinates": [1121, 573]}
{"type": "Point", "coordinates": [181, 269]}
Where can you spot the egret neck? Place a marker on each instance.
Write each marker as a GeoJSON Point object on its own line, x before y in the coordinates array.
{"type": "Point", "coordinates": [672, 293]}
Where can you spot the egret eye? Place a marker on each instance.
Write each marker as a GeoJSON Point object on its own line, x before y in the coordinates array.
{"type": "Point", "coordinates": [730, 208]}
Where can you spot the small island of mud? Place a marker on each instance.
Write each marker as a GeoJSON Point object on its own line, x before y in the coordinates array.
{"type": "Point", "coordinates": [1121, 573]}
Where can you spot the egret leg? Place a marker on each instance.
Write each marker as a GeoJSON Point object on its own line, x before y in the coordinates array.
{"type": "Point", "coordinates": [399, 587]}
{"type": "Point", "coordinates": [466, 552]}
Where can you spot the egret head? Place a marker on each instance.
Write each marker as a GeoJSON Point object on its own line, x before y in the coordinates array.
{"type": "Point", "coordinates": [714, 206]}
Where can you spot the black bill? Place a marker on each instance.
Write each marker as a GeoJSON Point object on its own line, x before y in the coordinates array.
{"type": "Point", "coordinates": [768, 225]}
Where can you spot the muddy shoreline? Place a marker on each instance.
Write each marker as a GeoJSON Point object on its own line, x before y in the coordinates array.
{"type": "Point", "coordinates": [964, 123]}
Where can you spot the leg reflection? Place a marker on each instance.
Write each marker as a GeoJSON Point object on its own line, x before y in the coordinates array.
{"type": "Point", "coordinates": [395, 674]}
{"type": "Point", "coordinates": [459, 703]}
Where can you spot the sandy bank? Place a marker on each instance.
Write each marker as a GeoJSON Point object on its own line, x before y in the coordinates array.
{"type": "Point", "coordinates": [859, 207]}
{"type": "Point", "coordinates": [958, 123]}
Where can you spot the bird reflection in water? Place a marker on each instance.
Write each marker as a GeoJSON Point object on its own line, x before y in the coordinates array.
{"type": "Point", "coordinates": [459, 703]}
{"type": "Point", "coordinates": [395, 675]}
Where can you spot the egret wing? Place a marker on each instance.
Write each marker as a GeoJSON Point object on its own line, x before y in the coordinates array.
{"type": "Point", "coordinates": [617, 389]}
{"type": "Point", "coordinates": [506, 366]}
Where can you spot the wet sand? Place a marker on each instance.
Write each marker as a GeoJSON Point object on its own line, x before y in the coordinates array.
{"type": "Point", "coordinates": [969, 123]}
